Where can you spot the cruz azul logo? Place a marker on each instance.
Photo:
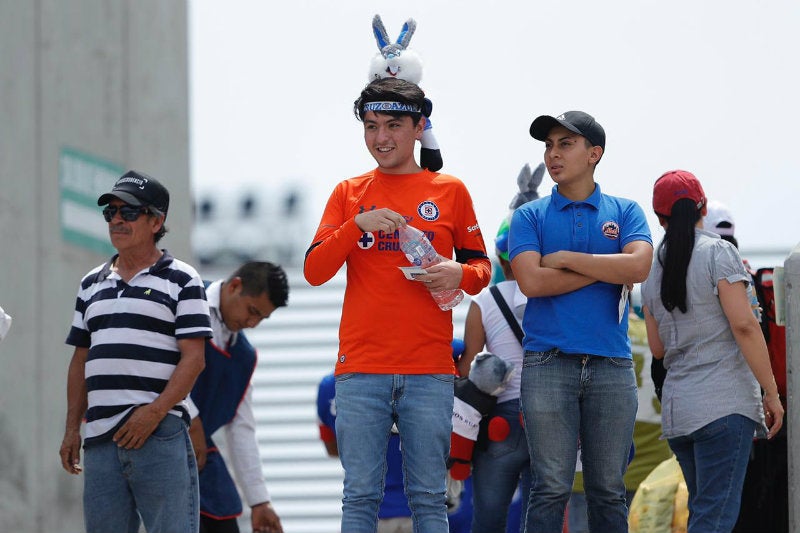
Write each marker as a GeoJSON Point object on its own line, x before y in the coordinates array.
{"type": "Point", "coordinates": [611, 229]}
{"type": "Point", "coordinates": [366, 241]}
{"type": "Point", "coordinates": [428, 210]}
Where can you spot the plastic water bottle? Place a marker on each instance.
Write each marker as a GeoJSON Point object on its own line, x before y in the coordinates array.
{"type": "Point", "coordinates": [420, 252]}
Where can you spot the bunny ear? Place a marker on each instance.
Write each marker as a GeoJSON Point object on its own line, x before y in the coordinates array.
{"type": "Point", "coordinates": [524, 178]}
{"type": "Point", "coordinates": [405, 35]}
{"type": "Point", "coordinates": [537, 177]}
{"type": "Point", "coordinates": [527, 182]}
{"type": "Point", "coordinates": [379, 30]}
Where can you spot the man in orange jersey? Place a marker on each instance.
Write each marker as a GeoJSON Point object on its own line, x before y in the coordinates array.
{"type": "Point", "coordinates": [394, 363]}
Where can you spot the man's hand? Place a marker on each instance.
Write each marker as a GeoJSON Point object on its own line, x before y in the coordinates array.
{"type": "Point", "coordinates": [264, 519]}
{"type": "Point", "coordinates": [554, 260]}
{"type": "Point", "coordinates": [198, 436]}
{"type": "Point", "coordinates": [70, 451]}
{"type": "Point", "coordinates": [140, 425]}
{"type": "Point", "coordinates": [383, 219]}
{"type": "Point", "coordinates": [444, 276]}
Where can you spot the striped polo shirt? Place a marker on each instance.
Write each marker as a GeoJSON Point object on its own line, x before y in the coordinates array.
{"type": "Point", "coordinates": [132, 331]}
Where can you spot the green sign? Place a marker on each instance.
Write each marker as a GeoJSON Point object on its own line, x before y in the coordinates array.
{"type": "Point", "coordinates": [82, 179]}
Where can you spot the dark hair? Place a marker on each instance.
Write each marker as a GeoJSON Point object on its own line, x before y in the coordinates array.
{"type": "Point", "coordinates": [590, 145]}
{"type": "Point", "coordinates": [259, 277]}
{"type": "Point", "coordinates": [393, 90]}
{"type": "Point", "coordinates": [731, 239]}
{"type": "Point", "coordinates": [675, 252]}
{"type": "Point", "coordinates": [163, 229]}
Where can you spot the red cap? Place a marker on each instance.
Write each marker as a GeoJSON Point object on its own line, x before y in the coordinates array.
{"type": "Point", "coordinates": [673, 186]}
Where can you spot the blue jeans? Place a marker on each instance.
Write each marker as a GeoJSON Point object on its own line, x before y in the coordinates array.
{"type": "Point", "coordinates": [366, 407]}
{"type": "Point", "coordinates": [577, 518]}
{"type": "Point", "coordinates": [564, 397]}
{"type": "Point", "coordinates": [714, 462]}
{"type": "Point", "coordinates": [157, 482]}
{"type": "Point", "coordinates": [496, 472]}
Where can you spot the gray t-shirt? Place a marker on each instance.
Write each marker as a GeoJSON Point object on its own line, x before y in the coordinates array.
{"type": "Point", "coordinates": [707, 375]}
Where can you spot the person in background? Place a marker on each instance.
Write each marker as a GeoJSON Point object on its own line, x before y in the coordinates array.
{"type": "Point", "coordinates": [699, 320]}
{"type": "Point", "coordinates": [574, 254]}
{"type": "Point", "coordinates": [394, 365]}
{"type": "Point", "coordinates": [498, 466]}
{"type": "Point", "coordinates": [222, 398]}
{"type": "Point", "coordinates": [139, 327]}
{"type": "Point", "coordinates": [719, 220]}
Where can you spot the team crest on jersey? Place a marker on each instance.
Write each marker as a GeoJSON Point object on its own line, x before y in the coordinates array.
{"type": "Point", "coordinates": [366, 241]}
{"type": "Point", "coordinates": [611, 229]}
{"type": "Point", "coordinates": [428, 210]}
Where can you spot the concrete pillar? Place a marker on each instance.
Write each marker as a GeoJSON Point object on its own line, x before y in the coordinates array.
{"type": "Point", "coordinates": [792, 291]}
{"type": "Point", "coordinates": [108, 78]}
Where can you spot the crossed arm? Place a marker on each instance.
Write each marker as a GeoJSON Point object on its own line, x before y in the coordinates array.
{"type": "Point", "coordinates": [564, 271]}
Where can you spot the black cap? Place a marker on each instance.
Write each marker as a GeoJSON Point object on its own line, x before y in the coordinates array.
{"type": "Point", "coordinates": [575, 121]}
{"type": "Point", "coordinates": [136, 188]}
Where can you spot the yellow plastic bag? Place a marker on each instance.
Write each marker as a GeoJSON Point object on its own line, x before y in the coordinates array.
{"type": "Point", "coordinates": [660, 502]}
{"type": "Point", "coordinates": [680, 516]}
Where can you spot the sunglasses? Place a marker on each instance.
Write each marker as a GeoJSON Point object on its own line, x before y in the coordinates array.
{"type": "Point", "coordinates": [128, 213]}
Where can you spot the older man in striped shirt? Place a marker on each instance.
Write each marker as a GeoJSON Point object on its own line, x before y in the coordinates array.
{"type": "Point", "coordinates": [139, 328]}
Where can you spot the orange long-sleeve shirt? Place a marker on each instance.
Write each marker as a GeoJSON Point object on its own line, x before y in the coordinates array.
{"type": "Point", "coordinates": [391, 325]}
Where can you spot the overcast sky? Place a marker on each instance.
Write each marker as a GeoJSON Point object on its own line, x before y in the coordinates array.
{"type": "Point", "coordinates": [707, 86]}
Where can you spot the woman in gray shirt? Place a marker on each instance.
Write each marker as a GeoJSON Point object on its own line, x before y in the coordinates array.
{"type": "Point", "coordinates": [700, 321]}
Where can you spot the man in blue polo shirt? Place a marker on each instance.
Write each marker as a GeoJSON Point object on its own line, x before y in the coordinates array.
{"type": "Point", "coordinates": [574, 254]}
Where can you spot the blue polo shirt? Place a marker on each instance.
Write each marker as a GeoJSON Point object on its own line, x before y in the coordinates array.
{"type": "Point", "coordinates": [585, 320]}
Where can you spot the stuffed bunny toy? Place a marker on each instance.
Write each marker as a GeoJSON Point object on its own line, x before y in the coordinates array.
{"type": "Point", "coordinates": [396, 60]}
{"type": "Point", "coordinates": [528, 183]}
{"type": "Point", "coordinates": [475, 397]}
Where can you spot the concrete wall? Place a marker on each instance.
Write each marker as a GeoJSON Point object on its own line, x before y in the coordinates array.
{"type": "Point", "coordinates": [108, 78]}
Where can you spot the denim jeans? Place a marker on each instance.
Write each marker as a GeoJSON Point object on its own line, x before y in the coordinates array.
{"type": "Point", "coordinates": [366, 407]}
{"type": "Point", "coordinates": [564, 397]}
{"type": "Point", "coordinates": [496, 472]}
{"type": "Point", "coordinates": [158, 482]}
{"type": "Point", "coordinates": [714, 462]}
{"type": "Point", "coordinates": [577, 517]}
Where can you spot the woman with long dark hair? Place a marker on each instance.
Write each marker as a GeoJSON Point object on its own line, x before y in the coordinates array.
{"type": "Point", "coordinates": [700, 321]}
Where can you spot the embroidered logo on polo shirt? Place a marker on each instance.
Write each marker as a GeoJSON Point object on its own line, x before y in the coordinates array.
{"type": "Point", "coordinates": [611, 229]}
{"type": "Point", "coordinates": [428, 210]}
